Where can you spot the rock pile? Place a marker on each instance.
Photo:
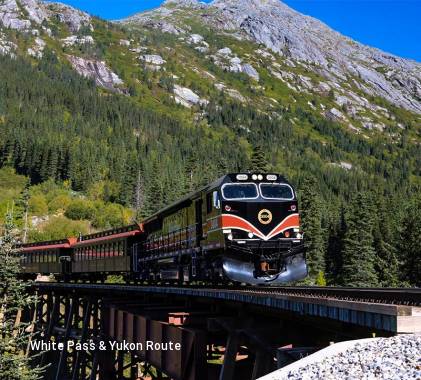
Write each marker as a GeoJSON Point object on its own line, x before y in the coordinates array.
{"type": "Point", "coordinates": [386, 358]}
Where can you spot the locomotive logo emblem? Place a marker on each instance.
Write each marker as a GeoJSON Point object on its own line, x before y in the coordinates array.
{"type": "Point", "coordinates": [264, 216]}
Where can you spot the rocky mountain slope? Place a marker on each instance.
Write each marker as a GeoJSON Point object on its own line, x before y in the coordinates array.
{"type": "Point", "coordinates": [299, 40]}
{"type": "Point", "coordinates": [189, 60]}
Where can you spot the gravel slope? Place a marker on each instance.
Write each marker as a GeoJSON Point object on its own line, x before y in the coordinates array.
{"type": "Point", "coordinates": [386, 358]}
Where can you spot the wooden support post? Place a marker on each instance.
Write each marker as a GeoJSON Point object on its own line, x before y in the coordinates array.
{"type": "Point", "coordinates": [133, 367]}
{"type": "Point", "coordinates": [120, 365]}
{"type": "Point", "coordinates": [94, 369]}
{"type": "Point", "coordinates": [106, 364]}
{"type": "Point", "coordinates": [85, 330]}
{"type": "Point", "coordinates": [231, 349]}
{"type": "Point", "coordinates": [262, 365]}
{"type": "Point", "coordinates": [62, 364]}
{"type": "Point", "coordinates": [52, 321]}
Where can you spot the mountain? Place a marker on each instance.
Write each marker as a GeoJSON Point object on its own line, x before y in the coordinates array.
{"type": "Point", "coordinates": [300, 40]}
{"type": "Point", "coordinates": [255, 72]}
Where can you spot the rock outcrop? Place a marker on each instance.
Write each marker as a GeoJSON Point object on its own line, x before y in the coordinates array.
{"type": "Point", "coordinates": [187, 97]}
{"type": "Point", "coordinates": [37, 50]}
{"type": "Point", "coordinates": [22, 14]}
{"type": "Point", "coordinates": [153, 59]}
{"type": "Point", "coordinates": [77, 40]}
{"type": "Point", "coordinates": [7, 47]}
{"type": "Point", "coordinates": [98, 71]}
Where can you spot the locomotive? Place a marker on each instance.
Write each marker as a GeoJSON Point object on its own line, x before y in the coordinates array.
{"type": "Point", "coordinates": [242, 228]}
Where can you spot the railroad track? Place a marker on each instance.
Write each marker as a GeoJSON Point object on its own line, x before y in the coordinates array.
{"type": "Point", "coordinates": [394, 296]}
{"type": "Point", "coordinates": [391, 296]}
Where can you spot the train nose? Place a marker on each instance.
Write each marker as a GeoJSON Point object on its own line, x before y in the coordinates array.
{"type": "Point", "coordinates": [241, 271]}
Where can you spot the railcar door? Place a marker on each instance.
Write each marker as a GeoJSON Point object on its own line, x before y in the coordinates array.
{"type": "Point", "coordinates": [66, 264]}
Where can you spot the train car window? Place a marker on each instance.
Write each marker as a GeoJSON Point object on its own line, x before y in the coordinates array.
{"type": "Point", "coordinates": [232, 191]}
{"type": "Point", "coordinates": [276, 191]}
{"type": "Point", "coordinates": [216, 200]}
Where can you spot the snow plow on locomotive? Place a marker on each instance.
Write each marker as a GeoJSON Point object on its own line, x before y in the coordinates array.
{"type": "Point", "coordinates": [241, 228]}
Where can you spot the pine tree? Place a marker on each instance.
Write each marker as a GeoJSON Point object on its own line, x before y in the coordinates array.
{"type": "Point", "coordinates": [386, 263]}
{"type": "Point", "coordinates": [258, 161]}
{"type": "Point", "coordinates": [336, 232]}
{"type": "Point", "coordinates": [410, 244]}
{"type": "Point", "coordinates": [154, 199]}
{"type": "Point", "coordinates": [311, 215]}
{"type": "Point", "coordinates": [358, 254]}
{"type": "Point", "coordinates": [14, 365]}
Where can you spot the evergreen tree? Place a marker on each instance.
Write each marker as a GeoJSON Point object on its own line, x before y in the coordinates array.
{"type": "Point", "coordinates": [14, 365]}
{"type": "Point", "coordinates": [311, 215]}
{"type": "Point", "coordinates": [386, 263]}
{"type": "Point", "coordinates": [258, 161]}
{"type": "Point", "coordinates": [358, 254]}
{"type": "Point", "coordinates": [154, 199]}
{"type": "Point", "coordinates": [335, 238]}
{"type": "Point", "coordinates": [410, 244]}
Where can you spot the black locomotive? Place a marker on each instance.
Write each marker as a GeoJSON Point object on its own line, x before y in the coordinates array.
{"type": "Point", "coordinates": [242, 228]}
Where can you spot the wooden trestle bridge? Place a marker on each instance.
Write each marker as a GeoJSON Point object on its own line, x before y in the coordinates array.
{"type": "Point", "coordinates": [203, 333]}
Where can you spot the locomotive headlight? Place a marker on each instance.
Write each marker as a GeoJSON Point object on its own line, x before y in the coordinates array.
{"type": "Point", "coordinates": [230, 237]}
{"type": "Point", "coordinates": [254, 177]}
{"type": "Point", "coordinates": [298, 235]}
{"type": "Point", "coordinates": [260, 177]}
{"type": "Point", "coordinates": [250, 234]}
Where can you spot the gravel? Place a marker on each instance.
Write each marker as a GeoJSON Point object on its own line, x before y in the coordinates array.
{"type": "Point", "coordinates": [386, 358]}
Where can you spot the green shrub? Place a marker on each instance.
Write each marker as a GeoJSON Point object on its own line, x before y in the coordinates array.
{"type": "Point", "coordinates": [59, 203]}
{"type": "Point", "coordinates": [38, 205]}
{"type": "Point", "coordinates": [80, 209]}
{"type": "Point", "coordinates": [59, 227]}
{"type": "Point", "coordinates": [111, 216]}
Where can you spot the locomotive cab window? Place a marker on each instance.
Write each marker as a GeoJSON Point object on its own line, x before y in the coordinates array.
{"type": "Point", "coordinates": [216, 200]}
{"type": "Point", "coordinates": [276, 191]}
{"type": "Point", "coordinates": [232, 191]}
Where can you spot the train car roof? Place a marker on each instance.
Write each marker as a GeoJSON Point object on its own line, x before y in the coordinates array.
{"type": "Point", "coordinates": [44, 245]}
{"type": "Point", "coordinates": [189, 198]}
{"type": "Point", "coordinates": [116, 233]}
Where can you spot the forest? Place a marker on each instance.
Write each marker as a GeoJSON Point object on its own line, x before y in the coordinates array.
{"type": "Point", "coordinates": [97, 159]}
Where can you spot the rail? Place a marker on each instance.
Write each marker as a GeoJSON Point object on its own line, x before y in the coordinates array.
{"type": "Point", "coordinates": [390, 296]}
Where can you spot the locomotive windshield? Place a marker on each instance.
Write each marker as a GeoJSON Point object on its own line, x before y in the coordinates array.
{"type": "Point", "coordinates": [276, 191]}
{"type": "Point", "coordinates": [240, 191]}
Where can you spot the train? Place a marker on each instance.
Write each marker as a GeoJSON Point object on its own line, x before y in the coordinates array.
{"type": "Point", "coordinates": [242, 228]}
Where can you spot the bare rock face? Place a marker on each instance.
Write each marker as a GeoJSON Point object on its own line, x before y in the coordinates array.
{"type": "Point", "coordinates": [73, 18]}
{"type": "Point", "coordinates": [22, 14]}
{"type": "Point", "coordinates": [11, 16]}
{"type": "Point", "coordinates": [301, 39]}
{"type": "Point", "coordinates": [225, 59]}
{"type": "Point", "coordinates": [77, 40]}
{"type": "Point", "coordinates": [187, 97]}
{"type": "Point", "coordinates": [287, 32]}
{"type": "Point", "coordinates": [153, 59]}
{"type": "Point", "coordinates": [98, 71]}
{"type": "Point", "coordinates": [7, 47]}
{"type": "Point", "coordinates": [37, 50]}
